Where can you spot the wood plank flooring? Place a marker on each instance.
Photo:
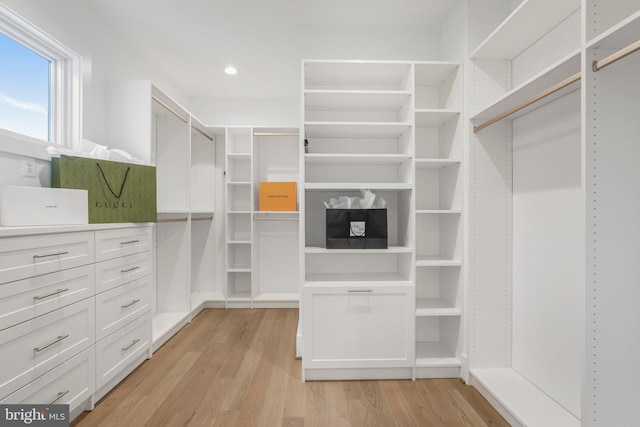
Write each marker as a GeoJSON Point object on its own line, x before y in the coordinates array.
{"type": "Point", "coordinates": [238, 368]}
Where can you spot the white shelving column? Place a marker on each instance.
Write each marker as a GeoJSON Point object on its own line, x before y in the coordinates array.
{"type": "Point", "coordinates": [611, 130]}
{"type": "Point", "coordinates": [239, 210]}
{"type": "Point", "coordinates": [439, 195]}
{"type": "Point", "coordinates": [358, 308]}
{"type": "Point", "coordinates": [525, 307]}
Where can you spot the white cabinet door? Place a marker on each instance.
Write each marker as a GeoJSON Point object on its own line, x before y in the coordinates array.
{"type": "Point", "coordinates": [358, 326]}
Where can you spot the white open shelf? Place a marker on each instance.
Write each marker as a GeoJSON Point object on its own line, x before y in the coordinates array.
{"type": "Point", "coordinates": [275, 297]}
{"type": "Point", "coordinates": [352, 159]}
{"type": "Point", "coordinates": [619, 36]}
{"type": "Point", "coordinates": [389, 250]}
{"type": "Point", "coordinates": [438, 211]}
{"type": "Point", "coordinates": [434, 261]}
{"type": "Point", "coordinates": [356, 278]}
{"type": "Point", "coordinates": [550, 76]}
{"type": "Point", "coordinates": [521, 399]}
{"type": "Point", "coordinates": [434, 117]}
{"type": "Point", "coordinates": [239, 296]}
{"type": "Point", "coordinates": [520, 30]}
{"type": "Point", "coordinates": [434, 355]}
{"type": "Point", "coordinates": [356, 129]}
{"type": "Point", "coordinates": [432, 73]}
{"type": "Point", "coordinates": [356, 75]}
{"type": "Point", "coordinates": [362, 100]}
{"type": "Point", "coordinates": [239, 242]}
{"type": "Point", "coordinates": [239, 156]}
{"type": "Point", "coordinates": [435, 163]}
{"type": "Point", "coordinates": [435, 307]}
{"type": "Point", "coordinates": [390, 186]}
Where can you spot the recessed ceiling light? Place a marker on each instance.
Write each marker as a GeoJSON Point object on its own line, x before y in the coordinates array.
{"type": "Point", "coordinates": [231, 70]}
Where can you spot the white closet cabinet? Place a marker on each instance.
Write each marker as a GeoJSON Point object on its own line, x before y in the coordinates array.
{"type": "Point", "coordinates": [526, 238]}
{"type": "Point", "coordinates": [261, 246]}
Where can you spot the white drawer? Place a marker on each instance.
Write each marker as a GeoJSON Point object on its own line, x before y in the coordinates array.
{"type": "Point", "coordinates": [122, 241]}
{"type": "Point", "coordinates": [118, 271]}
{"type": "Point", "coordinates": [119, 306]}
{"type": "Point", "coordinates": [71, 384]}
{"type": "Point", "coordinates": [32, 348]}
{"type": "Point", "coordinates": [28, 298]}
{"type": "Point", "coordinates": [115, 352]}
{"type": "Point", "coordinates": [27, 256]}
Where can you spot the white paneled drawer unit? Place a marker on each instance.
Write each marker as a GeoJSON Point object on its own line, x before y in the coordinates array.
{"type": "Point", "coordinates": [358, 327]}
{"type": "Point", "coordinates": [71, 383]}
{"type": "Point", "coordinates": [32, 348]}
{"type": "Point", "coordinates": [63, 292]}
{"type": "Point", "coordinates": [117, 351]}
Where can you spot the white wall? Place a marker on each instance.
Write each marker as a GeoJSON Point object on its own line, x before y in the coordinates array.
{"type": "Point", "coordinates": [346, 43]}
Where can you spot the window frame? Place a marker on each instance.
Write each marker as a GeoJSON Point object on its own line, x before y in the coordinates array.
{"type": "Point", "coordinates": [65, 93]}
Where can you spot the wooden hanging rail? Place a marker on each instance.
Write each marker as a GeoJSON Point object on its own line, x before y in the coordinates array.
{"type": "Point", "coordinates": [184, 219]}
{"type": "Point", "coordinates": [206, 218]}
{"type": "Point", "coordinates": [276, 134]}
{"type": "Point", "coordinates": [200, 131]}
{"type": "Point", "coordinates": [599, 65]}
{"type": "Point", "coordinates": [553, 89]}
{"type": "Point", "coordinates": [169, 109]}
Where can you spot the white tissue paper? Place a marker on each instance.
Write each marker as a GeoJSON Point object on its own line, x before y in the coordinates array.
{"type": "Point", "coordinates": [95, 151]}
{"type": "Point", "coordinates": [367, 201]}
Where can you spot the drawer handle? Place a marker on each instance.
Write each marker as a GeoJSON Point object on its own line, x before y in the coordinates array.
{"type": "Point", "coordinates": [134, 342]}
{"type": "Point", "coordinates": [59, 291]}
{"type": "Point", "coordinates": [49, 255]}
{"type": "Point", "coordinates": [358, 291]}
{"type": "Point", "coordinates": [135, 301]}
{"type": "Point", "coordinates": [60, 338]}
{"type": "Point", "coordinates": [129, 242]}
{"type": "Point", "coordinates": [59, 396]}
{"type": "Point", "coordinates": [128, 270]}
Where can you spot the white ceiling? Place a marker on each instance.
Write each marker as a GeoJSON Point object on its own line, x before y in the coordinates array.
{"type": "Point", "coordinates": [192, 40]}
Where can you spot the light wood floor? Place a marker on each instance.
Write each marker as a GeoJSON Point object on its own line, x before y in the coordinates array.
{"type": "Point", "coordinates": [237, 368]}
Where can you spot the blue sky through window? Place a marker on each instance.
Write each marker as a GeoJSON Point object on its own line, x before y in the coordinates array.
{"type": "Point", "coordinates": [24, 90]}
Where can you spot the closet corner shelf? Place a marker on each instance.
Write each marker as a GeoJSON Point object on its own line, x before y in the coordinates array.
{"type": "Point", "coordinates": [325, 186]}
{"type": "Point", "coordinates": [355, 129]}
{"type": "Point", "coordinates": [353, 159]}
{"type": "Point", "coordinates": [433, 73]}
{"type": "Point", "coordinates": [436, 163]}
{"type": "Point", "coordinates": [434, 261]}
{"type": "Point", "coordinates": [520, 30]}
{"type": "Point", "coordinates": [355, 100]}
{"type": "Point", "coordinates": [524, 401]}
{"type": "Point", "coordinates": [618, 36]}
{"type": "Point", "coordinates": [389, 250]}
{"type": "Point", "coordinates": [548, 77]}
{"type": "Point", "coordinates": [434, 355]}
{"type": "Point", "coordinates": [426, 307]}
{"type": "Point", "coordinates": [434, 117]}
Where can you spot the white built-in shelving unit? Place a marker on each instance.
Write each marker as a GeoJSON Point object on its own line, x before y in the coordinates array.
{"type": "Point", "coordinates": [261, 246]}
{"type": "Point", "coordinates": [393, 128]}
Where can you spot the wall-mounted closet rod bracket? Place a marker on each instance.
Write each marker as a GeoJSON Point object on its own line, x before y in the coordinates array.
{"type": "Point", "coordinates": [201, 132]}
{"type": "Point", "coordinates": [169, 109]}
{"type": "Point", "coordinates": [599, 65]}
{"type": "Point", "coordinates": [276, 134]}
{"type": "Point", "coordinates": [553, 89]}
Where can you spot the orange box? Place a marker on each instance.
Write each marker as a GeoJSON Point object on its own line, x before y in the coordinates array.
{"type": "Point", "coordinates": [278, 196]}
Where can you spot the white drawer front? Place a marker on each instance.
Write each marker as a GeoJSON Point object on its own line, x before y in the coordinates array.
{"type": "Point", "coordinates": [28, 256]}
{"type": "Point", "coordinates": [359, 327]}
{"type": "Point", "coordinates": [32, 348]}
{"type": "Point", "coordinates": [119, 306]}
{"type": "Point", "coordinates": [28, 298]}
{"type": "Point", "coordinates": [122, 241]}
{"type": "Point", "coordinates": [115, 352]}
{"type": "Point", "coordinates": [71, 384]}
{"type": "Point", "coordinates": [118, 271]}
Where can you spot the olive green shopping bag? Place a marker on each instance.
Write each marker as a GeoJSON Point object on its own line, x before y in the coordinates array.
{"type": "Point", "coordinates": [118, 192]}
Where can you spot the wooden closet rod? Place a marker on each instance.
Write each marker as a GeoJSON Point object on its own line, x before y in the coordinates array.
{"type": "Point", "coordinates": [206, 218]}
{"type": "Point", "coordinates": [599, 65]}
{"type": "Point", "coordinates": [169, 109]}
{"type": "Point", "coordinates": [197, 129]}
{"type": "Point", "coordinates": [173, 220]}
{"type": "Point", "coordinates": [276, 134]}
{"type": "Point", "coordinates": [553, 89]}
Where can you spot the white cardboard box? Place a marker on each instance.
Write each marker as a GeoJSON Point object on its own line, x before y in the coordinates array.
{"type": "Point", "coordinates": [27, 206]}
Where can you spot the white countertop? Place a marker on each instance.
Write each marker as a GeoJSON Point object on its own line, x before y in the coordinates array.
{"type": "Point", "coordinates": [48, 229]}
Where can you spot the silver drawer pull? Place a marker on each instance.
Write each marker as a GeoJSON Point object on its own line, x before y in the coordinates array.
{"type": "Point", "coordinates": [59, 291]}
{"type": "Point", "coordinates": [128, 270]}
{"type": "Point", "coordinates": [49, 255]}
{"type": "Point", "coordinates": [135, 301]}
{"type": "Point", "coordinates": [60, 338]}
{"type": "Point", "coordinates": [134, 342]}
{"type": "Point", "coordinates": [129, 242]}
{"type": "Point", "coordinates": [59, 396]}
{"type": "Point", "coordinates": [354, 291]}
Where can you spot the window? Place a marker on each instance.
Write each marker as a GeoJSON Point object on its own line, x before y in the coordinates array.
{"type": "Point", "coordinates": [40, 88]}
